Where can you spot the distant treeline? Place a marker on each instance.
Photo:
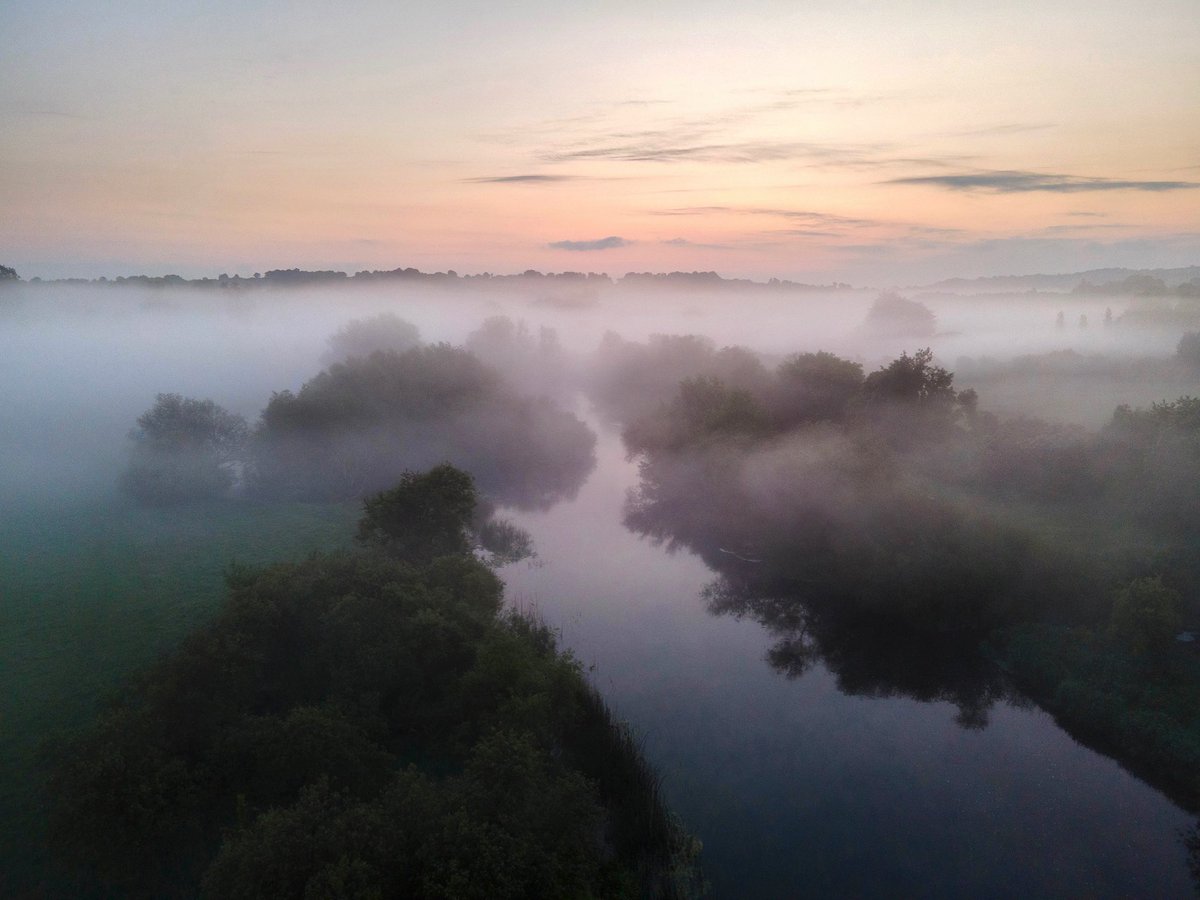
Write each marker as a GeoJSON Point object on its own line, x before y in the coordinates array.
{"type": "Point", "coordinates": [1139, 285]}
{"type": "Point", "coordinates": [308, 278]}
{"type": "Point", "coordinates": [999, 284]}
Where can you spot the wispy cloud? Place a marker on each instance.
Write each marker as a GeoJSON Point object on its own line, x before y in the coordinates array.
{"type": "Point", "coordinates": [522, 179]}
{"type": "Point", "coordinates": [1082, 226]}
{"type": "Point", "coordinates": [606, 243]}
{"type": "Point", "coordinates": [16, 110]}
{"type": "Point", "coordinates": [684, 242]}
{"type": "Point", "coordinates": [1016, 182]}
{"type": "Point", "coordinates": [1007, 128]}
{"type": "Point", "coordinates": [805, 217]}
{"type": "Point", "coordinates": [830, 228]}
{"type": "Point", "coordinates": [666, 151]}
{"type": "Point", "coordinates": [804, 232]}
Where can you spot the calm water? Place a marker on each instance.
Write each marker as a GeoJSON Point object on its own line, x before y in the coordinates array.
{"type": "Point", "coordinates": [797, 789]}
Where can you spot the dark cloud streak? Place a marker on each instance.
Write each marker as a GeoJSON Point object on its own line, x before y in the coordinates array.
{"type": "Point", "coordinates": [523, 179]}
{"type": "Point", "coordinates": [1016, 182]}
{"type": "Point", "coordinates": [672, 151]}
{"type": "Point", "coordinates": [607, 243]}
{"type": "Point", "coordinates": [806, 216]}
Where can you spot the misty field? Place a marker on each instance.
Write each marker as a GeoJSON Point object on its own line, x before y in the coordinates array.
{"type": "Point", "coordinates": [92, 593]}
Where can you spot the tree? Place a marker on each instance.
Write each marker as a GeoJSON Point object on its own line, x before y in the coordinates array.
{"type": "Point", "coordinates": [423, 517]}
{"type": "Point", "coordinates": [438, 513]}
{"type": "Point", "coordinates": [362, 337]}
{"type": "Point", "coordinates": [360, 425]}
{"type": "Point", "coordinates": [8, 274]}
{"type": "Point", "coordinates": [703, 408]}
{"type": "Point", "coordinates": [814, 387]}
{"type": "Point", "coordinates": [184, 449]}
{"type": "Point", "coordinates": [912, 379]}
{"type": "Point", "coordinates": [896, 316]}
{"type": "Point", "coordinates": [911, 398]}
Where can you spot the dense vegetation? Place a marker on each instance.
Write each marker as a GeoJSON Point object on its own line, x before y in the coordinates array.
{"type": "Point", "coordinates": [362, 337]}
{"type": "Point", "coordinates": [367, 723]}
{"type": "Point", "coordinates": [1143, 708]}
{"type": "Point", "coordinates": [355, 427]}
{"type": "Point", "coordinates": [886, 525]}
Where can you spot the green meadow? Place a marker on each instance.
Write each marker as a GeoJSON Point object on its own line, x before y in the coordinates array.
{"type": "Point", "coordinates": [95, 590]}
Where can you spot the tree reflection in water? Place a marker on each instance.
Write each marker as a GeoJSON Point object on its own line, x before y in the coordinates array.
{"type": "Point", "coordinates": [866, 661]}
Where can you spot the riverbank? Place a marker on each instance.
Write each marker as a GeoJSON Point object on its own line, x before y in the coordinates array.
{"type": "Point", "coordinates": [1143, 711]}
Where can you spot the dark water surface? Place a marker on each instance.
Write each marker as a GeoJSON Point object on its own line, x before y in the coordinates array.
{"type": "Point", "coordinates": [797, 789]}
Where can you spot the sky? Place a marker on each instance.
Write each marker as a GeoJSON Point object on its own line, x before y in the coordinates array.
{"type": "Point", "coordinates": [876, 143]}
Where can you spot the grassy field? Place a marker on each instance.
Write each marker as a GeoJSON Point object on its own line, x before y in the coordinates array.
{"type": "Point", "coordinates": [91, 591]}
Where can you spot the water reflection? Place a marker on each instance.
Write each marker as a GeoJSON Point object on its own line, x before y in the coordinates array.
{"type": "Point", "coordinates": [796, 787]}
{"type": "Point", "coordinates": [787, 575]}
{"type": "Point", "coordinates": [866, 661]}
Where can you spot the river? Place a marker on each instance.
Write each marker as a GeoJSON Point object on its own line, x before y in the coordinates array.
{"type": "Point", "coordinates": [798, 789]}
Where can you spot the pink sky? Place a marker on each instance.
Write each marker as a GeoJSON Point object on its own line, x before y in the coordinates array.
{"type": "Point", "coordinates": [874, 143]}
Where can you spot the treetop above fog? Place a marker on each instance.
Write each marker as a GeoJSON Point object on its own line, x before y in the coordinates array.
{"type": "Point", "coordinates": [184, 450]}
{"type": "Point", "coordinates": [362, 337]}
{"type": "Point", "coordinates": [897, 316]}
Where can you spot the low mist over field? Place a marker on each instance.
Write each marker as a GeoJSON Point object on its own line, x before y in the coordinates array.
{"type": "Point", "coordinates": [95, 355]}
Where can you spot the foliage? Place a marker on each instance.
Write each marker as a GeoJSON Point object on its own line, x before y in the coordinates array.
{"type": "Point", "coordinates": [911, 399]}
{"type": "Point", "coordinates": [359, 425]}
{"type": "Point", "coordinates": [504, 541]}
{"type": "Point", "coordinates": [1144, 710]}
{"type": "Point", "coordinates": [423, 517]}
{"type": "Point", "coordinates": [895, 316]}
{"type": "Point", "coordinates": [361, 724]}
{"type": "Point", "coordinates": [438, 513]}
{"type": "Point", "coordinates": [704, 408]}
{"type": "Point", "coordinates": [513, 824]}
{"type": "Point", "coordinates": [362, 337]}
{"type": "Point", "coordinates": [1145, 616]}
{"type": "Point", "coordinates": [1153, 464]}
{"type": "Point", "coordinates": [183, 450]}
{"type": "Point", "coordinates": [814, 387]}
{"type": "Point", "coordinates": [897, 515]}
{"type": "Point", "coordinates": [7, 273]}
{"type": "Point", "coordinates": [630, 380]}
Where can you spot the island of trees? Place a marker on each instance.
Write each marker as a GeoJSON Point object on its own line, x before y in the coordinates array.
{"type": "Point", "coordinates": [367, 724]}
